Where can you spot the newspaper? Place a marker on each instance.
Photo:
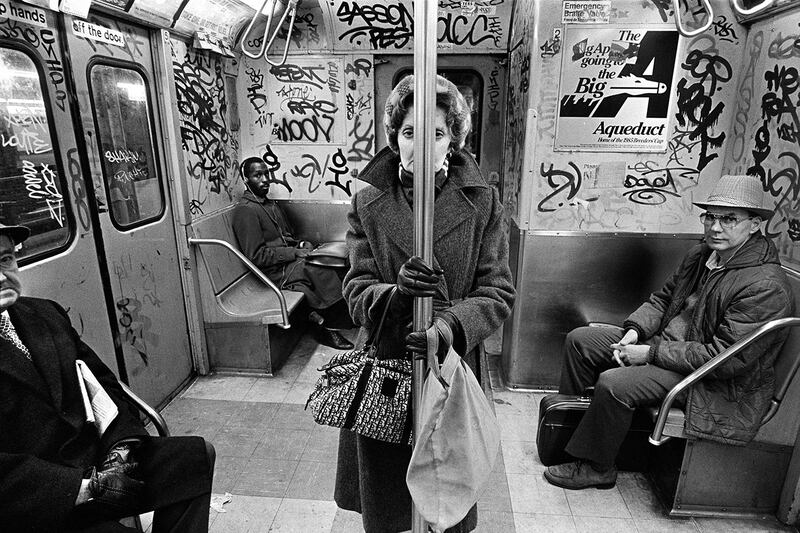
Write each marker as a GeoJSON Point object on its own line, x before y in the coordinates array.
{"type": "Point", "coordinates": [100, 408]}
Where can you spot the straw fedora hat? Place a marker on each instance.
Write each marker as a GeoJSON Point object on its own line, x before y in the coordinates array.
{"type": "Point", "coordinates": [17, 233]}
{"type": "Point", "coordinates": [744, 192]}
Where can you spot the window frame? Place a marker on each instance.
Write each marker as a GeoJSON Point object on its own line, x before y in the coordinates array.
{"type": "Point", "coordinates": [69, 216]}
{"type": "Point", "coordinates": [118, 63]}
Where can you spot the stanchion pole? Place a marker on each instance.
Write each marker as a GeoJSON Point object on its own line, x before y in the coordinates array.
{"type": "Point", "coordinates": [425, 20]}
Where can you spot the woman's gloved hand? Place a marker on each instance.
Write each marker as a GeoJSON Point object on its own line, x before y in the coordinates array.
{"type": "Point", "coordinates": [418, 280]}
{"type": "Point", "coordinates": [417, 341]}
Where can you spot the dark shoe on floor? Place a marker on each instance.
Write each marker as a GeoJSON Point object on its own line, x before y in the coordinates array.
{"type": "Point", "coordinates": [580, 475]}
{"type": "Point", "coordinates": [334, 339]}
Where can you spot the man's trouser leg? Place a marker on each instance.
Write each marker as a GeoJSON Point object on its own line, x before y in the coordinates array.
{"type": "Point", "coordinates": [188, 516]}
{"type": "Point", "coordinates": [618, 392]}
{"type": "Point", "coordinates": [586, 353]}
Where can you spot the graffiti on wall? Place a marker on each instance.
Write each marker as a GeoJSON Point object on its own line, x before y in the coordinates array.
{"type": "Point", "coordinates": [308, 102]}
{"type": "Point", "coordinates": [381, 26]}
{"type": "Point", "coordinates": [697, 112]}
{"type": "Point", "coordinates": [773, 150]}
{"type": "Point", "coordinates": [139, 283]}
{"type": "Point", "coordinates": [210, 149]}
{"type": "Point", "coordinates": [312, 122]}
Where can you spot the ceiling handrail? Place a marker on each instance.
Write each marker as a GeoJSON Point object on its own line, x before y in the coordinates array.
{"type": "Point", "coordinates": [752, 10]}
{"type": "Point", "coordinates": [692, 33]}
{"type": "Point", "coordinates": [291, 7]}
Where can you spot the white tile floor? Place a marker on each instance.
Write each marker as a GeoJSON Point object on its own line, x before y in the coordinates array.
{"type": "Point", "coordinates": [278, 466]}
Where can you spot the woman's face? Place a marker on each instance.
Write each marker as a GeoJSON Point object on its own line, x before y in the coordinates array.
{"type": "Point", "coordinates": [405, 140]}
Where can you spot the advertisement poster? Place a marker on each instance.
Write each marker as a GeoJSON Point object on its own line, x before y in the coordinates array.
{"type": "Point", "coordinates": [615, 88]}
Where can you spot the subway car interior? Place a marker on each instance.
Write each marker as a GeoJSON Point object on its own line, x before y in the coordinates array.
{"type": "Point", "coordinates": [123, 125]}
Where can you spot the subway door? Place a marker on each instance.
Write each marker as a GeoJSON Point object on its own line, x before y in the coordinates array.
{"type": "Point", "coordinates": [115, 84]}
{"type": "Point", "coordinates": [42, 181]}
{"type": "Point", "coordinates": [481, 79]}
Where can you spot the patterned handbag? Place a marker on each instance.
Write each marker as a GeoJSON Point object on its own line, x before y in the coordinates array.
{"type": "Point", "coordinates": [367, 395]}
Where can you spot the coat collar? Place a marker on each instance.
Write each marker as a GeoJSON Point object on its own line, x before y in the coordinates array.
{"type": "Point", "coordinates": [391, 210]}
{"type": "Point", "coordinates": [757, 250]}
{"type": "Point", "coordinates": [36, 335]}
{"type": "Point", "coordinates": [250, 197]}
{"type": "Point", "coordinates": [382, 171]}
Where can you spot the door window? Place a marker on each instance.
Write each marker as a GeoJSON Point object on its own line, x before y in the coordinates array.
{"type": "Point", "coordinates": [31, 180]}
{"type": "Point", "coordinates": [121, 103]}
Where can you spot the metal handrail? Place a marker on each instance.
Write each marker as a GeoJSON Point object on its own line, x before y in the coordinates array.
{"type": "Point", "coordinates": [265, 44]}
{"type": "Point", "coordinates": [692, 33]}
{"type": "Point", "coordinates": [753, 10]}
{"type": "Point", "coordinates": [158, 420]}
{"type": "Point", "coordinates": [657, 438]}
{"type": "Point", "coordinates": [255, 270]}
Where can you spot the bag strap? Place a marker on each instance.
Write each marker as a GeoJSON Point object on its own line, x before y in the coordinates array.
{"type": "Point", "coordinates": [432, 335]}
{"type": "Point", "coordinates": [375, 334]}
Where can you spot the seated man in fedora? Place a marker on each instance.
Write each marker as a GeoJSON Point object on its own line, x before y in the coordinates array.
{"type": "Point", "coordinates": [723, 289]}
{"type": "Point", "coordinates": [60, 472]}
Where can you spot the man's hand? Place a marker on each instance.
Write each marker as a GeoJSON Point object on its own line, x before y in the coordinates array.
{"type": "Point", "coordinates": [630, 354]}
{"type": "Point", "coordinates": [112, 492]}
{"type": "Point", "coordinates": [631, 337]}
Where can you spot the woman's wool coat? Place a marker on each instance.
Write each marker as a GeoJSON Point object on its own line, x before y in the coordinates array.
{"type": "Point", "coordinates": [471, 247]}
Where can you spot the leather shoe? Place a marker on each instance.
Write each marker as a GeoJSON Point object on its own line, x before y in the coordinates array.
{"type": "Point", "coordinates": [580, 475]}
{"type": "Point", "coordinates": [334, 339]}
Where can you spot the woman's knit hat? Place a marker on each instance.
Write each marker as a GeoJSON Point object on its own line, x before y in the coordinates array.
{"type": "Point", "coordinates": [458, 116]}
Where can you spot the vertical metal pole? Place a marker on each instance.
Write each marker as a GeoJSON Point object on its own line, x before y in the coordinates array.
{"type": "Point", "coordinates": [425, 20]}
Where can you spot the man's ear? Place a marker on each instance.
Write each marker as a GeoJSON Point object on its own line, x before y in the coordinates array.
{"type": "Point", "coordinates": [755, 224]}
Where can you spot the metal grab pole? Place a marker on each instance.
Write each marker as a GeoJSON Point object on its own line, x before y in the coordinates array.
{"type": "Point", "coordinates": [425, 20]}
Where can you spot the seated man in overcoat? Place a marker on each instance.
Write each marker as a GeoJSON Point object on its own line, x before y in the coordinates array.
{"type": "Point", "coordinates": [722, 290]}
{"type": "Point", "coordinates": [59, 471]}
{"type": "Point", "coordinates": [266, 238]}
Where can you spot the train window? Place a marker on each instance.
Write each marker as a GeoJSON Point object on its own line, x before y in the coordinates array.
{"type": "Point", "coordinates": [120, 99]}
{"type": "Point", "coordinates": [470, 85]}
{"type": "Point", "coordinates": [31, 179]}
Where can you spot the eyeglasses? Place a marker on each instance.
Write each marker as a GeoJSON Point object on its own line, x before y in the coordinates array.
{"type": "Point", "coordinates": [726, 221]}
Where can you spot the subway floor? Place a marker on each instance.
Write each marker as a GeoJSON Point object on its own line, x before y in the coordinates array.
{"type": "Point", "coordinates": [275, 467]}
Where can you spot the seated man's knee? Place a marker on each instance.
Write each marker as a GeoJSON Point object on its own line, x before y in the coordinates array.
{"type": "Point", "coordinates": [576, 338]}
{"type": "Point", "coordinates": [211, 453]}
{"type": "Point", "coordinates": [615, 384]}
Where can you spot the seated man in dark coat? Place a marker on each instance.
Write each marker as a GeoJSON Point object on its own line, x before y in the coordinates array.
{"type": "Point", "coordinates": [724, 289]}
{"type": "Point", "coordinates": [265, 237]}
{"type": "Point", "coordinates": [59, 472]}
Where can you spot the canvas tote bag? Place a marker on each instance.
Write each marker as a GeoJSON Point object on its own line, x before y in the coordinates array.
{"type": "Point", "coordinates": [455, 452]}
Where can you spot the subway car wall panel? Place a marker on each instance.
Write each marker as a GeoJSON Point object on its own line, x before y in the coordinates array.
{"type": "Point", "coordinates": [600, 125]}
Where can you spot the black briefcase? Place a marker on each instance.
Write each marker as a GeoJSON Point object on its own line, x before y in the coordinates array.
{"type": "Point", "coordinates": [559, 415]}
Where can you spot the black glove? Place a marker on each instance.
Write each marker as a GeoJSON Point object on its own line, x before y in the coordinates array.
{"type": "Point", "coordinates": [417, 341]}
{"type": "Point", "coordinates": [120, 458]}
{"type": "Point", "coordinates": [113, 493]}
{"type": "Point", "coordinates": [418, 280]}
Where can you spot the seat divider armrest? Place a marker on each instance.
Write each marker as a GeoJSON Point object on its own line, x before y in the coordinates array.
{"type": "Point", "coordinates": [657, 437]}
{"type": "Point", "coordinates": [158, 420]}
{"type": "Point", "coordinates": [254, 269]}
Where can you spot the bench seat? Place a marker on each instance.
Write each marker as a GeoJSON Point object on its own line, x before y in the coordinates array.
{"type": "Point", "coordinates": [247, 299]}
{"type": "Point", "coordinates": [246, 327]}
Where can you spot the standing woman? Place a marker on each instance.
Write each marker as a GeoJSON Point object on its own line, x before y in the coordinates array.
{"type": "Point", "coordinates": [469, 280]}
